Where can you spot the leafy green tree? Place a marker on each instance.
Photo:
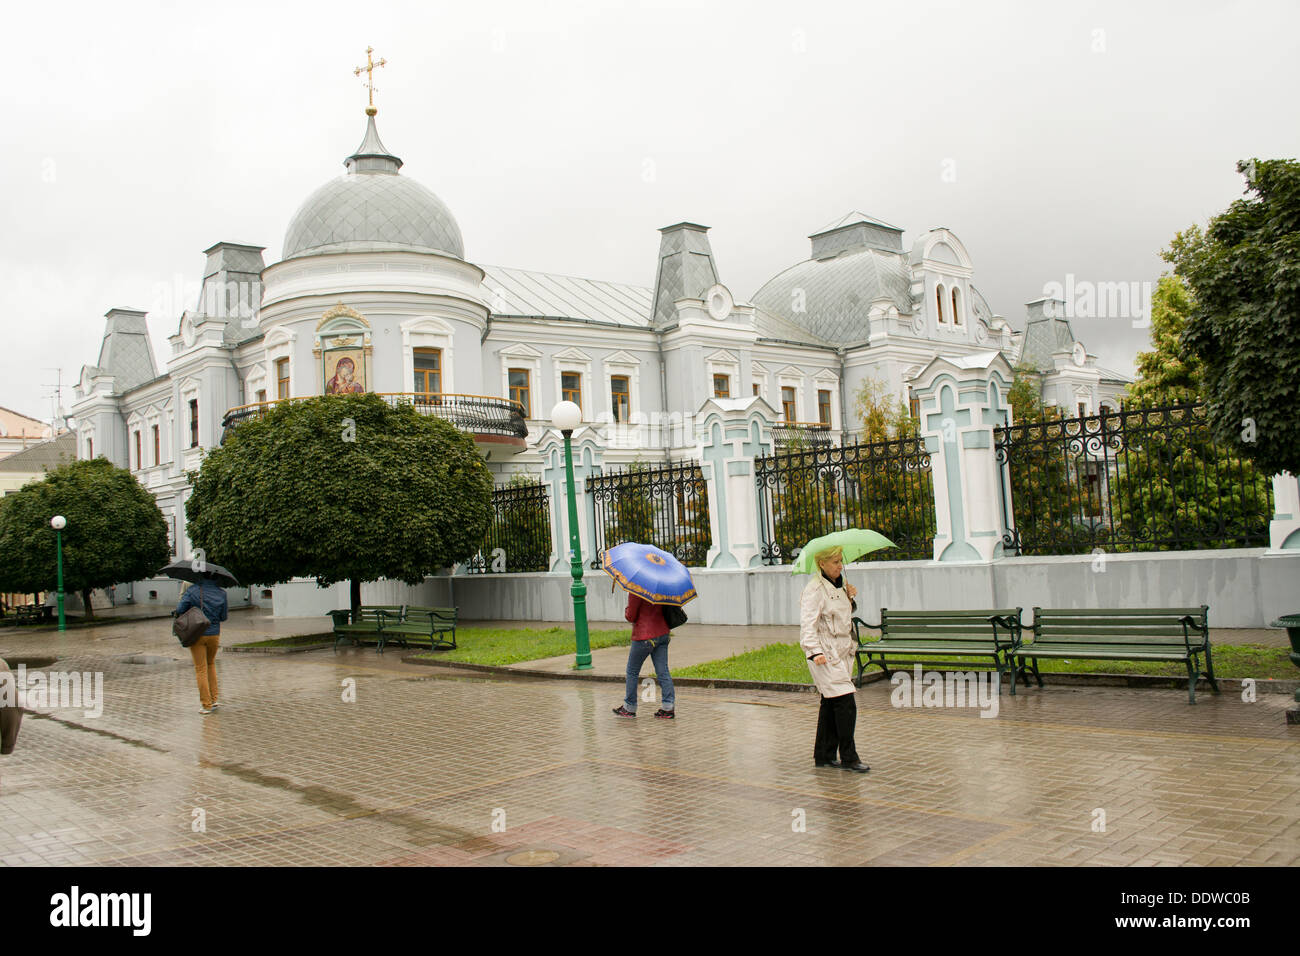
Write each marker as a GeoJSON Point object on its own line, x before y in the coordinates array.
{"type": "Point", "coordinates": [1166, 376]}
{"type": "Point", "coordinates": [889, 491]}
{"type": "Point", "coordinates": [1243, 272]}
{"type": "Point", "coordinates": [1047, 495]}
{"type": "Point", "coordinates": [636, 514]}
{"type": "Point", "coordinates": [1176, 481]}
{"type": "Point", "coordinates": [115, 531]}
{"type": "Point", "coordinates": [341, 488]}
{"type": "Point", "coordinates": [521, 526]}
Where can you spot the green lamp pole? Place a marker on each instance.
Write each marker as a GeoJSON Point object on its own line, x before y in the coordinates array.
{"type": "Point", "coordinates": [58, 523]}
{"type": "Point", "coordinates": [566, 416]}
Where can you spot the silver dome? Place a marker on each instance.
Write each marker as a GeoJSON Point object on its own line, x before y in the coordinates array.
{"type": "Point", "coordinates": [836, 294]}
{"type": "Point", "coordinates": [373, 208]}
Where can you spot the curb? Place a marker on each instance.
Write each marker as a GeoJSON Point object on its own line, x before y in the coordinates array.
{"type": "Point", "coordinates": [1263, 686]}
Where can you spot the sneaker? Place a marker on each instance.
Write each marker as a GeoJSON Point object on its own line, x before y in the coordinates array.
{"type": "Point", "coordinates": [621, 711]}
{"type": "Point", "coordinates": [214, 706]}
{"type": "Point", "coordinates": [205, 710]}
{"type": "Point", "coordinates": [665, 714]}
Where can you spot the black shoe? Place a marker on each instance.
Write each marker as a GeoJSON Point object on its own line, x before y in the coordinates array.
{"type": "Point", "coordinates": [858, 767]}
{"type": "Point", "coordinates": [621, 711]}
{"type": "Point", "coordinates": [824, 763]}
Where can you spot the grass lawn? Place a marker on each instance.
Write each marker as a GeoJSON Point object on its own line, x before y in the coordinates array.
{"type": "Point", "coordinates": [785, 663]}
{"type": "Point", "coordinates": [484, 645]}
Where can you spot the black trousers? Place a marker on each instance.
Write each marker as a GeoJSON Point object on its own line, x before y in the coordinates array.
{"type": "Point", "coordinates": [835, 722]}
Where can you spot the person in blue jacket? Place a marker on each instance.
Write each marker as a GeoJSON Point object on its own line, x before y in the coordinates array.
{"type": "Point", "coordinates": [211, 599]}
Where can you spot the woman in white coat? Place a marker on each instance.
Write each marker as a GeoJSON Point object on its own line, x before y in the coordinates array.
{"type": "Point", "coordinates": [826, 636]}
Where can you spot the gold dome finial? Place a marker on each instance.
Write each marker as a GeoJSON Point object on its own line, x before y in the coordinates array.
{"type": "Point", "coordinates": [369, 70]}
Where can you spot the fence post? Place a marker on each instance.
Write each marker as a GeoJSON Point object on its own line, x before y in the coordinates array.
{"type": "Point", "coordinates": [1284, 529]}
{"type": "Point", "coordinates": [733, 433]}
{"type": "Point", "coordinates": [961, 402]}
{"type": "Point", "coordinates": [588, 459]}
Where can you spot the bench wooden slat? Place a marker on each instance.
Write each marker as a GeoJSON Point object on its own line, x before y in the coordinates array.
{"type": "Point", "coordinates": [1129, 611]}
{"type": "Point", "coordinates": [1129, 653]}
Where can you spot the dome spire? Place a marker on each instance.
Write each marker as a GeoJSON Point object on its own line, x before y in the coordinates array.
{"type": "Point", "coordinates": [369, 70]}
{"type": "Point", "coordinates": [371, 156]}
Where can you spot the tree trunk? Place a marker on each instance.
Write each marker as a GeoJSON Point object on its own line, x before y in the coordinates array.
{"type": "Point", "coordinates": [356, 597]}
{"type": "Point", "coordinates": [90, 610]}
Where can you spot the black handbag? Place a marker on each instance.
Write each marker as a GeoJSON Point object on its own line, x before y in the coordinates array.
{"type": "Point", "coordinates": [189, 627]}
{"type": "Point", "coordinates": [674, 616]}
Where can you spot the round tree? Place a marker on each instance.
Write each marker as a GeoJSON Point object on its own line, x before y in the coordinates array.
{"type": "Point", "coordinates": [340, 488]}
{"type": "Point", "coordinates": [1243, 273]}
{"type": "Point", "coordinates": [115, 531]}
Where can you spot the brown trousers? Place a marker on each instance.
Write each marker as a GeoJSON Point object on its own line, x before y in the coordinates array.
{"type": "Point", "coordinates": [204, 652]}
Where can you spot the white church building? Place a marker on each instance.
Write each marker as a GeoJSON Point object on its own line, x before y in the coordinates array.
{"type": "Point", "coordinates": [374, 291]}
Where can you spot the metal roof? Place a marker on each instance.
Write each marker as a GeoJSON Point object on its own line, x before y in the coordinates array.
{"type": "Point", "coordinates": [836, 294]}
{"type": "Point", "coordinates": [41, 458]}
{"type": "Point", "coordinates": [518, 292]}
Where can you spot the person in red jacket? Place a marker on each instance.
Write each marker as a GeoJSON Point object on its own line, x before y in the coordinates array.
{"type": "Point", "coordinates": [649, 639]}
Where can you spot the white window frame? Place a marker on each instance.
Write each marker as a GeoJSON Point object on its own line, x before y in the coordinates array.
{"type": "Point", "coordinates": [621, 363]}
{"type": "Point", "coordinates": [279, 345]}
{"type": "Point", "coordinates": [572, 360]}
{"type": "Point", "coordinates": [524, 356]}
{"type": "Point", "coordinates": [792, 377]}
{"type": "Point", "coordinates": [428, 332]}
{"type": "Point", "coordinates": [824, 381]}
{"type": "Point", "coordinates": [723, 362]}
{"type": "Point", "coordinates": [757, 376]}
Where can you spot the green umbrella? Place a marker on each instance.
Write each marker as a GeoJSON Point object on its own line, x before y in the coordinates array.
{"type": "Point", "coordinates": [854, 541]}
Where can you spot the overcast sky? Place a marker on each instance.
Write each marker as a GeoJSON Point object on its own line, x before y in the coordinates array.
{"type": "Point", "coordinates": [1052, 139]}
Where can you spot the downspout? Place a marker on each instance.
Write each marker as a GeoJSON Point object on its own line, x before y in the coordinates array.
{"type": "Point", "coordinates": [844, 411]}
{"type": "Point", "coordinates": [663, 390]}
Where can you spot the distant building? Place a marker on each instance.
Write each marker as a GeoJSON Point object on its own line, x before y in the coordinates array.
{"type": "Point", "coordinates": [373, 292]}
{"type": "Point", "coordinates": [18, 431]}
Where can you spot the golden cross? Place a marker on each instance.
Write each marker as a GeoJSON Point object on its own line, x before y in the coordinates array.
{"type": "Point", "coordinates": [369, 70]}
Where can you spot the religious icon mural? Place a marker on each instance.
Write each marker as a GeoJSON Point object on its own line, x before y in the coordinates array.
{"type": "Point", "coordinates": [345, 368]}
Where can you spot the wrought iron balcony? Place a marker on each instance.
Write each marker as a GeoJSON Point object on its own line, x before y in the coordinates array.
{"type": "Point", "coordinates": [490, 420]}
{"type": "Point", "coordinates": [805, 434]}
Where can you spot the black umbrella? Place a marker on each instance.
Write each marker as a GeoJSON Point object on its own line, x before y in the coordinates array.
{"type": "Point", "coordinates": [186, 571]}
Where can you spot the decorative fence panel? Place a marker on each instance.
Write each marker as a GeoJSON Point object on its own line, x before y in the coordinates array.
{"type": "Point", "coordinates": [664, 505]}
{"type": "Point", "coordinates": [885, 486]}
{"type": "Point", "coordinates": [1146, 479]}
{"type": "Point", "coordinates": [519, 537]}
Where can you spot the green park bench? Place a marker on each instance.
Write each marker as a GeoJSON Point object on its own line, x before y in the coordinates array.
{"type": "Point", "coordinates": [419, 625]}
{"type": "Point", "coordinates": [366, 625]}
{"type": "Point", "coordinates": [1121, 634]}
{"type": "Point", "coordinates": [988, 634]}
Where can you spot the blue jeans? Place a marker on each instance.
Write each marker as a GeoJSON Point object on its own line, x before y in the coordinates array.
{"type": "Point", "coordinates": [657, 650]}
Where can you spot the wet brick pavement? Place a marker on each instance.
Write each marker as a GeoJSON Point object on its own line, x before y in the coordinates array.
{"type": "Point", "coordinates": [434, 767]}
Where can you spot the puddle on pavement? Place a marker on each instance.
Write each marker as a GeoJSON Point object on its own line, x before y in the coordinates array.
{"type": "Point", "coordinates": [533, 858]}
{"type": "Point", "coordinates": [73, 725]}
{"type": "Point", "coordinates": [31, 663]}
{"type": "Point", "coordinates": [420, 831]}
{"type": "Point", "coordinates": [145, 659]}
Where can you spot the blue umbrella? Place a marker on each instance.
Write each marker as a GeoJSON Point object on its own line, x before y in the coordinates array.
{"type": "Point", "coordinates": [649, 573]}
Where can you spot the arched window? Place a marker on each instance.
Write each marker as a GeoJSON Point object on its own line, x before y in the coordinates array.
{"type": "Point", "coordinates": [956, 308]}
{"type": "Point", "coordinates": [938, 301]}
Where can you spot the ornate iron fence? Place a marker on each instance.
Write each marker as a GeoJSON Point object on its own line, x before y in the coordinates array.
{"type": "Point", "coordinates": [1144, 479]}
{"type": "Point", "coordinates": [664, 505]}
{"type": "Point", "coordinates": [519, 537]}
{"type": "Point", "coordinates": [885, 486]}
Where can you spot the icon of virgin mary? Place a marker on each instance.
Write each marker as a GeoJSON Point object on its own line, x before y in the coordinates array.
{"type": "Point", "coordinates": [343, 382]}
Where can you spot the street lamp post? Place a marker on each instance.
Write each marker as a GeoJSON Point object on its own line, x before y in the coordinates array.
{"type": "Point", "coordinates": [566, 416]}
{"type": "Point", "coordinates": [58, 523]}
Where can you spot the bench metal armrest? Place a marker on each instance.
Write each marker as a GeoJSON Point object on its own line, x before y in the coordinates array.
{"type": "Point", "coordinates": [1009, 624]}
{"type": "Point", "coordinates": [1189, 624]}
{"type": "Point", "coordinates": [857, 621]}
